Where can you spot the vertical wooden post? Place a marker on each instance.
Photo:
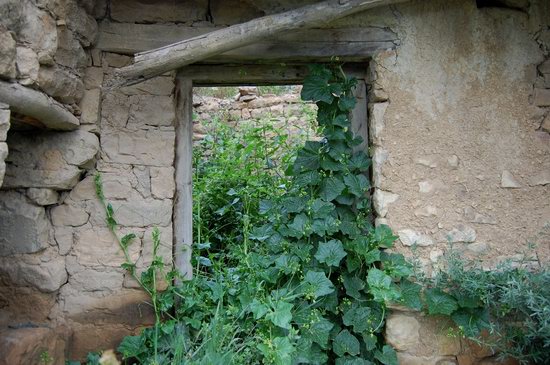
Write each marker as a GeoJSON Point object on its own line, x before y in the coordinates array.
{"type": "Point", "coordinates": [359, 116]}
{"type": "Point", "coordinates": [183, 202]}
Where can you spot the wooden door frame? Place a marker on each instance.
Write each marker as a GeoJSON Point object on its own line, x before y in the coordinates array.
{"type": "Point", "coordinates": [232, 75]}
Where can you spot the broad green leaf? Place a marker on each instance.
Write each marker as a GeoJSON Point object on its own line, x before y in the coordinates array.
{"type": "Point", "coordinates": [319, 332]}
{"type": "Point", "coordinates": [350, 229]}
{"type": "Point", "coordinates": [360, 161]}
{"type": "Point", "coordinates": [132, 346]}
{"type": "Point", "coordinates": [341, 120]}
{"type": "Point", "coordinates": [358, 317]}
{"type": "Point", "coordinates": [346, 103]}
{"type": "Point", "coordinates": [330, 188]}
{"type": "Point", "coordinates": [281, 315]}
{"type": "Point", "coordinates": [383, 236]}
{"type": "Point", "coordinates": [328, 163]}
{"type": "Point", "coordinates": [308, 178]}
{"type": "Point", "coordinates": [370, 341]}
{"type": "Point", "coordinates": [127, 239]}
{"type": "Point", "coordinates": [307, 158]}
{"type": "Point", "coordinates": [372, 256]}
{"type": "Point", "coordinates": [345, 343]}
{"type": "Point", "coordinates": [297, 228]}
{"type": "Point", "coordinates": [471, 321]}
{"type": "Point", "coordinates": [387, 356]}
{"type": "Point", "coordinates": [353, 285]}
{"type": "Point", "coordinates": [357, 184]}
{"type": "Point", "coordinates": [330, 253]}
{"type": "Point", "coordinates": [321, 209]}
{"type": "Point", "coordinates": [265, 206]}
{"type": "Point", "coordinates": [317, 87]}
{"type": "Point", "coordinates": [396, 265]}
{"type": "Point", "coordinates": [318, 284]}
{"type": "Point", "coordinates": [380, 286]}
{"type": "Point", "coordinates": [294, 204]}
{"type": "Point", "coordinates": [258, 309]}
{"type": "Point", "coordinates": [410, 294]}
{"type": "Point", "coordinates": [439, 302]}
{"type": "Point", "coordinates": [308, 352]}
{"type": "Point", "coordinates": [261, 233]}
{"type": "Point", "coordinates": [338, 150]}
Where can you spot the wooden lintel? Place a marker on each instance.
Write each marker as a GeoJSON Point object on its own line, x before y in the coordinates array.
{"type": "Point", "coordinates": [37, 105]}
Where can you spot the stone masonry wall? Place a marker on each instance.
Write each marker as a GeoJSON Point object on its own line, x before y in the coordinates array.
{"type": "Point", "coordinates": [459, 116]}
{"type": "Point", "coordinates": [461, 146]}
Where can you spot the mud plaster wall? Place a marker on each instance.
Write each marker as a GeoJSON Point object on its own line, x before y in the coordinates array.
{"type": "Point", "coordinates": [459, 128]}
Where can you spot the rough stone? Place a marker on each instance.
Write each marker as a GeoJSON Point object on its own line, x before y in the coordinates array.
{"type": "Point", "coordinates": [163, 184]}
{"type": "Point", "coordinates": [5, 115]}
{"type": "Point", "coordinates": [409, 237]}
{"type": "Point", "coordinates": [461, 233]}
{"type": "Point", "coordinates": [69, 215]}
{"type": "Point", "coordinates": [75, 18]}
{"type": "Point", "coordinates": [229, 12]}
{"type": "Point", "coordinates": [427, 211]}
{"type": "Point", "coordinates": [453, 162]}
{"type": "Point", "coordinates": [7, 54]}
{"type": "Point", "coordinates": [435, 255]}
{"type": "Point", "coordinates": [379, 157]}
{"type": "Point", "coordinates": [381, 200]}
{"type": "Point", "coordinates": [159, 11]}
{"type": "Point", "coordinates": [43, 196]}
{"type": "Point", "coordinates": [46, 276]}
{"type": "Point", "coordinates": [144, 213]}
{"type": "Point", "coordinates": [49, 160]}
{"type": "Point", "coordinates": [402, 331]}
{"type": "Point", "coordinates": [61, 84]}
{"type": "Point", "coordinates": [116, 60]}
{"type": "Point", "coordinates": [64, 238]}
{"type": "Point", "coordinates": [89, 279]}
{"type": "Point", "coordinates": [477, 248]}
{"type": "Point", "coordinates": [96, 247]}
{"type": "Point", "coordinates": [3, 155]}
{"type": "Point", "coordinates": [143, 147]}
{"type": "Point", "coordinates": [472, 216]}
{"type": "Point", "coordinates": [376, 125]}
{"type": "Point", "coordinates": [431, 186]}
{"type": "Point", "coordinates": [509, 181]}
{"type": "Point", "coordinates": [151, 110]}
{"type": "Point", "coordinates": [428, 161]}
{"type": "Point", "coordinates": [27, 66]}
{"type": "Point", "coordinates": [90, 107]}
{"type": "Point", "coordinates": [160, 86]}
{"type": "Point", "coordinates": [69, 50]}
{"type": "Point", "coordinates": [25, 345]}
{"type": "Point", "coordinates": [545, 126]}
{"type": "Point", "coordinates": [541, 97]}
{"type": "Point", "coordinates": [93, 78]}
{"type": "Point", "coordinates": [24, 228]}
{"type": "Point", "coordinates": [540, 179]}
{"type": "Point", "coordinates": [38, 29]}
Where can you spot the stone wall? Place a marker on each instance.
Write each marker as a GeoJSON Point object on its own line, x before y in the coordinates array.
{"type": "Point", "coordinates": [459, 126]}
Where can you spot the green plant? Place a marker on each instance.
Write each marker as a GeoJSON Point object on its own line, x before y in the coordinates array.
{"type": "Point", "coordinates": [45, 358]}
{"type": "Point", "coordinates": [506, 309]}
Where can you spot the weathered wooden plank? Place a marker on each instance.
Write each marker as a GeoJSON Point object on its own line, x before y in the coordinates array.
{"type": "Point", "coordinates": [183, 202]}
{"type": "Point", "coordinates": [158, 61]}
{"type": "Point", "coordinates": [128, 38]}
{"type": "Point", "coordinates": [37, 105]}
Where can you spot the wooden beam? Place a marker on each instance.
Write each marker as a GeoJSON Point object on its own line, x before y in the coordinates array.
{"type": "Point", "coordinates": [37, 105]}
{"type": "Point", "coordinates": [130, 38]}
{"type": "Point", "coordinates": [183, 203]}
{"type": "Point", "coordinates": [156, 62]}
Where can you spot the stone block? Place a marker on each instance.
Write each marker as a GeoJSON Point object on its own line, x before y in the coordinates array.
{"type": "Point", "coordinates": [25, 345]}
{"type": "Point", "coordinates": [144, 11]}
{"type": "Point", "coordinates": [93, 78]}
{"type": "Point", "coordinates": [27, 66]}
{"type": "Point", "coordinates": [509, 181]}
{"type": "Point", "coordinates": [43, 196]}
{"type": "Point", "coordinates": [376, 126]}
{"type": "Point", "coordinates": [541, 178]}
{"type": "Point", "coordinates": [144, 213]}
{"type": "Point", "coordinates": [545, 126]}
{"type": "Point", "coordinates": [151, 110]}
{"type": "Point", "coordinates": [381, 200]}
{"type": "Point", "coordinates": [68, 215]}
{"type": "Point", "coordinates": [24, 227]}
{"type": "Point", "coordinates": [3, 155]}
{"type": "Point", "coordinates": [163, 184]}
{"type": "Point", "coordinates": [61, 84]}
{"type": "Point", "coordinates": [116, 60]}
{"type": "Point", "coordinates": [402, 331]}
{"type": "Point", "coordinates": [76, 19]}
{"type": "Point", "coordinates": [49, 160]}
{"type": "Point", "coordinates": [7, 55]}
{"type": "Point", "coordinates": [409, 237]}
{"type": "Point", "coordinates": [97, 247]}
{"type": "Point", "coordinates": [69, 50]}
{"type": "Point", "coordinates": [104, 279]}
{"type": "Point", "coordinates": [142, 176]}
{"type": "Point", "coordinates": [90, 107]}
{"type": "Point", "coordinates": [38, 30]}
{"type": "Point", "coordinates": [161, 86]}
{"type": "Point", "coordinates": [64, 238]}
{"type": "Point", "coordinates": [5, 116]}
{"type": "Point", "coordinates": [461, 233]}
{"type": "Point", "coordinates": [143, 147]}
{"type": "Point", "coordinates": [230, 12]}
{"type": "Point", "coordinates": [45, 274]}
{"type": "Point", "coordinates": [541, 97]}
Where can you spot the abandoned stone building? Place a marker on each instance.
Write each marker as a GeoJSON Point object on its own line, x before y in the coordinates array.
{"type": "Point", "coordinates": [454, 105]}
